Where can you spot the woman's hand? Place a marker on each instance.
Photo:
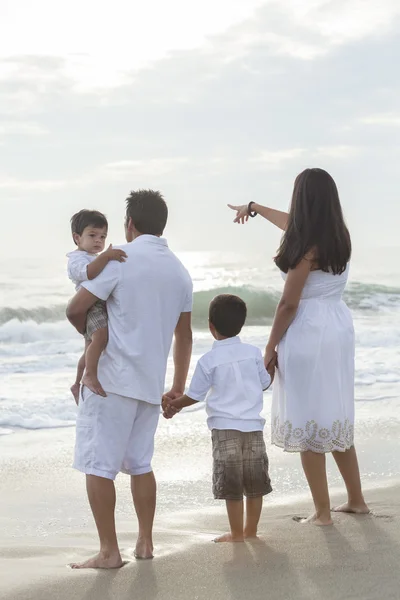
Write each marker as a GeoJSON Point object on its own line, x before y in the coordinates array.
{"type": "Point", "coordinates": [271, 361]}
{"type": "Point", "coordinates": [242, 215]}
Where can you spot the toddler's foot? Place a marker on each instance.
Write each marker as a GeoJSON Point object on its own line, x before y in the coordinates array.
{"type": "Point", "coordinates": [91, 382]}
{"type": "Point", "coordinates": [229, 537]}
{"type": "Point", "coordinates": [75, 392]}
{"type": "Point", "coordinates": [356, 509]}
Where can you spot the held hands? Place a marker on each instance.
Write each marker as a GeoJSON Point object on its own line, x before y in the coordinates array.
{"type": "Point", "coordinates": [115, 254]}
{"type": "Point", "coordinates": [271, 361]}
{"type": "Point", "coordinates": [242, 214]}
{"type": "Point", "coordinates": [169, 410]}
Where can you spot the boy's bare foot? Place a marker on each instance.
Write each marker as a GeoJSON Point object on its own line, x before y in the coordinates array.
{"type": "Point", "coordinates": [100, 561]}
{"type": "Point", "coordinates": [143, 550]}
{"type": "Point", "coordinates": [321, 521]}
{"type": "Point", "coordinates": [229, 537]}
{"type": "Point", "coordinates": [356, 509]}
{"type": "Point", "coordinates": [91, 382]}
{"type": "Point", "coordinates": [75, 392]}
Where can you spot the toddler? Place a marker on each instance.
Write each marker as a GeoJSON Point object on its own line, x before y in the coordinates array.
{"type": "Point", "coordinates": [89, 232]}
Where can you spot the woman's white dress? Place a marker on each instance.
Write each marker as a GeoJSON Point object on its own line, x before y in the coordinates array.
{"type": "Point", "coordinates": [313, 395]}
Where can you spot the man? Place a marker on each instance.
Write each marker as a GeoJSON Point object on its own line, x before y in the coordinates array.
{"type": "Point", "coordinates": [149, 299]}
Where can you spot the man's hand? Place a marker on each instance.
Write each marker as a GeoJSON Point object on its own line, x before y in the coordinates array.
{"type": "Point", "coordinates": [115, 254]}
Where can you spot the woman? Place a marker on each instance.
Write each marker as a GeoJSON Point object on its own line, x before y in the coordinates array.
{"type": "Point", "coordinates": [313, 397]}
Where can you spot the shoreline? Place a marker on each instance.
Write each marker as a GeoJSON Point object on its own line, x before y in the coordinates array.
{"type": "Point", "coordinates": [356, 558]}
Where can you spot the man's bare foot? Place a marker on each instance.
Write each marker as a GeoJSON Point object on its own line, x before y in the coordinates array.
{"type": "Point", "coordinates": [100, 561]}
{"type": "Point", "coordinates": [75, 392]}
{"type": "Point", "coordinates": [229, 537]}
{"type": "Point", "coordinates": [321, 521]}
{"type": "Point", "coordinates": [355, 509]}
{"type": "Point", "coordinates": [91, 382]}
{"type": "Point", "coordinates": [143, 550]}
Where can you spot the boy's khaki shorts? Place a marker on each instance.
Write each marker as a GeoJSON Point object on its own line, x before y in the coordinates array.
{"type": "Point", "coordinates": [240, 465]}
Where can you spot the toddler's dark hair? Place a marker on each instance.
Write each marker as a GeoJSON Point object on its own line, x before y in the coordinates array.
{"type": "Point", "coordinates": [87, 218]}
{"type": "Point", "coordinates": [228, 314]}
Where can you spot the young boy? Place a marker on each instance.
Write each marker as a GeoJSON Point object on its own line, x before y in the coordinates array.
{"type": "Point", "coordinates": [232, 377]}
{"type": "Point", "coordinates": [89, 232]}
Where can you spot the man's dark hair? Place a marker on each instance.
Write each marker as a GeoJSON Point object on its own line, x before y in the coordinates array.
{"type": "Point", "coordinates": [228, 314]}
{"type": "Point", "coordinates": [148, 211]}
{"type": "Point", "coordinates": [87, 218]}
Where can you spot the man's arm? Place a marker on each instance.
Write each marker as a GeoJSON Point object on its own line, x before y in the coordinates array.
{"type": "Point", "coordinates": [78, 307]}
{"type": "Point", "coordinates": [182, 354]}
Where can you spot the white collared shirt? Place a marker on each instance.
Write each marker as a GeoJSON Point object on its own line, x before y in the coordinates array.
{"type": "Point", "coordinates": [145, 298]}
{"type": "Point", "coordinates": [78, 261]}
{"type": "Point", "coordinates": [231, 378]}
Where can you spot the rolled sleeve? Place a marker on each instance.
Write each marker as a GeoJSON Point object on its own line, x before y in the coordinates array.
{"type": "Point", "coordinates": [265, 378]}
{"type": "Point", "coordinates": [200, 384]}
{"type": "Point", "coordinates": [104, 284]}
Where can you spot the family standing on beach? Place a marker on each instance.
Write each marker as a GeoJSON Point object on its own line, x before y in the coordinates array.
{"type": "Point", "coordinates": [130, 304]}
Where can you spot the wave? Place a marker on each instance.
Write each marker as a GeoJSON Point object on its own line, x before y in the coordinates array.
{"type": "Point", "coordinates": [33, 324]}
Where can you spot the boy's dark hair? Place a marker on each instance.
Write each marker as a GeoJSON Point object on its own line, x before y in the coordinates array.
{"type": "Point", "coordinates": [228, 314]}
{"type": "Point", "coordinates": [148, 211]}
{"type": "Point", "coordinates": [87, 218]}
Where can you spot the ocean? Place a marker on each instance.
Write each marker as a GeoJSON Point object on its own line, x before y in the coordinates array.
{"type": "Point", "coordinates": [39, 351]}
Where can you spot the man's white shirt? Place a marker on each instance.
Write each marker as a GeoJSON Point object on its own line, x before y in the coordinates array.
{"type": "Point", "coordinates": [145, 297]}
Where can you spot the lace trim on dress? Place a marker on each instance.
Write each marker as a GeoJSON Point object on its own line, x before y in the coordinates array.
{"type": "Point", "coordinates": [339, 438]}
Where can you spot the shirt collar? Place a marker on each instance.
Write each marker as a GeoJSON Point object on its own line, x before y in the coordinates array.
{"type": "Point", "coordinates": [151, 239]}
{"type": "Point", "coordinates": [227, 342]}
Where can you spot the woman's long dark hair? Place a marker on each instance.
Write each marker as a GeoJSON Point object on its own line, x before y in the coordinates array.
{"type": "Point", "coordinates": [315, 224]}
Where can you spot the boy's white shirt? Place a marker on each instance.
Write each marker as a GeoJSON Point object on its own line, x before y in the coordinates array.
{"type": "Point", "coordinates": [78, 261]}
{"type": "Point", "coordinates": [231, 378]}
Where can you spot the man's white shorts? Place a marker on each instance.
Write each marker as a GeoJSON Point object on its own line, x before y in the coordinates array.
{"type": "Point", "coordinates": [114, 434]}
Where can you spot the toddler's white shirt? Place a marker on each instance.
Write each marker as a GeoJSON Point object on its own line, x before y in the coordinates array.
{"type": "Point", "coordinates": [78, 260]}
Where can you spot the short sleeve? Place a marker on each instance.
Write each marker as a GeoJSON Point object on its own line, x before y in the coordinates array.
{"type": "Point", "coordinates": [265, 378]}
{"type": "Point", "coordinates": [104, 284]}
{"type": "Point", "coordinates": [188, 305]}
{"type": "Point", "coordinates": [77, 267]}
{"type": "Point", "coordinates": [200, 384]}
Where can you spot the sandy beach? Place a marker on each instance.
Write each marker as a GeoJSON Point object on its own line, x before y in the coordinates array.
{"type": "Point", "coordinates": [45, 524]}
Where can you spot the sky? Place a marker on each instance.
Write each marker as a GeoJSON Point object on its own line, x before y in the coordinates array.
{"type": "Point", "coordinates": [210, 102]}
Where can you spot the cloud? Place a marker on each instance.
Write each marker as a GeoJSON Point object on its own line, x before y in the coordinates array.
{"type": "Point", "coordinates": [392, 119]}
{"type": "Point", "coordinates": [155, 167]}
{"type": "Point", "coordinates": [14, 185]}
{"type": "Point", "coordinates": [21, 128]}
{"type": "Point", "coordinates": [275, 159]}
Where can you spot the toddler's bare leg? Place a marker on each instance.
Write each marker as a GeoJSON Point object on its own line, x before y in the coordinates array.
{"type": "Point", "coordinates": [235, 515]}
{"type": "Point", "coordinates": [253, 513]}
{"type": "Point", "coordinates": [93, 353]}
{"type": "Point", "coordinates": [79, 374]}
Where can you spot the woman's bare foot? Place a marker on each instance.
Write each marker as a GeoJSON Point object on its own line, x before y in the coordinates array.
{"type": "Point", "coordinates": [100, 561]}
{"type": "Point", "coordinates": [143, 550]}
{"type": "Point", "coordinates": [355, 509]}
{"type": "Point", "coordinates": [247, 534]}
{"type": "Point", "coordinates": [75, 392]}
{"type": "Point", "coordinates": [91, 382]}
{"type": "Point", "coordinates": [229, 537]}
{"type": "Point", "coordinates": [320, 521]}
